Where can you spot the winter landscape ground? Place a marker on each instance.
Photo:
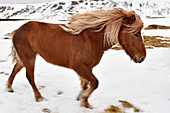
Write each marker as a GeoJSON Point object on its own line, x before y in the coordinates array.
{"type": "Point", "coordinates": [145, 85]}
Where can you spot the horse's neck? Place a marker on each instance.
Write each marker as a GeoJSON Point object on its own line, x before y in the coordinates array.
{"type": "Point", "coordinates": [105, 45]}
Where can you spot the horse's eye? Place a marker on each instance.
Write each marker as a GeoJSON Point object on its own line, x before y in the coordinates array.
{"type": "Point", "coordinates": [136, 35]}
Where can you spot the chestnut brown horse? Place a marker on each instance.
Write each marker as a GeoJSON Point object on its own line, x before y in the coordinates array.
{"type": "Point", "coordinates": [78, 45]}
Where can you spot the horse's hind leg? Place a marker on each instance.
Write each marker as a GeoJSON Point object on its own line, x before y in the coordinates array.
{"type": "Point", "coordinates": [30, 77]}
{"type": "Point", "coordinates": [27, 55]}
{"type": "Point", "coordinates": [18, 66]}
{"type": "Point", "coordinates": [86, 73]}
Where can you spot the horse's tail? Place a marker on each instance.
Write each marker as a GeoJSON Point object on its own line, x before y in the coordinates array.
{"type": "Point", "coordinates": [12, 33]}
{"type": "Point", "coordinates": [13, 53]}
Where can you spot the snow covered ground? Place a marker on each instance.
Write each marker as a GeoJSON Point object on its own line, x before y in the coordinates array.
{"type": "Point", "coordinates": [146, 85]}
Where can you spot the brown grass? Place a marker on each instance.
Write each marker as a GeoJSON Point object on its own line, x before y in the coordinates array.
{"type": "Point", "coordinates": [126, 104]}
{"type": "Point", "coordinates": [114, 109]}
{"type": "Point", "coordinates": [4, 73]}
{"type": "Point", "coordinates": [46, 110]}
{"type": "Point", "coordinates": [154, 26]}
{"type": "Point", "coordinates": [156, 41]}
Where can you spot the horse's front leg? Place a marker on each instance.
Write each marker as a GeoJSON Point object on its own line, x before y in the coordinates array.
{"type": "Point", "coordinates": [86, 73]}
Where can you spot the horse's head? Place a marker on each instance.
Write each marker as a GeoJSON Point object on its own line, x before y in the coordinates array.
{"type": "Point", "coordinates": [131, 39]}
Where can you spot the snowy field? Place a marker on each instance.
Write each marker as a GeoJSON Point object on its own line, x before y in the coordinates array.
{"type": "Point", "coordinates": [145, 85]}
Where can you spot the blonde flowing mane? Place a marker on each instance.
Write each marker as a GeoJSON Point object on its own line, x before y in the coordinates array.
{"type": "Point", "coordinates": [111, 20]}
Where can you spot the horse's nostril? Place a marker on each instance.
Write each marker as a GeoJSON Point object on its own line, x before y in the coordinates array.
{"type": "Point", "coordinates": [136, 61]}
{"type": "Point", "coordinates": [142, 59]}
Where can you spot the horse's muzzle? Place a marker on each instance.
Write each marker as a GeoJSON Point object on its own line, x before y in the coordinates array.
{"type": "Point", "coordinates": [140, 60]}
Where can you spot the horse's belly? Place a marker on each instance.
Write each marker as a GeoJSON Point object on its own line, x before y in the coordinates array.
{"type": "Point", "coordinates": [57, 59]}
{"type": "Point", "coordinates": [54, 53]}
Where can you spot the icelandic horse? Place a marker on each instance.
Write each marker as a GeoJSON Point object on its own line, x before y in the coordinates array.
{"type": "Point", "coordinates": [78, 45]}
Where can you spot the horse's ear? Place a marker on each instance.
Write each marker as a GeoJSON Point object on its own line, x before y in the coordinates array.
{"type": "Point", "coordinates": [132, 16]}
{"type": "Point", "coordinates": [129, 17]}
{"type": "Point", "coordinates": [127, 14]}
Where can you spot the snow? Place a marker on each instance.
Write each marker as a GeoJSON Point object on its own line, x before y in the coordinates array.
{"type": "Point", "coordinates": [146, 85]}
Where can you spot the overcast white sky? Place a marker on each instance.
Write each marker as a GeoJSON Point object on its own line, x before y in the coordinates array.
{"type": "Point", "coordinates": [24, 1]}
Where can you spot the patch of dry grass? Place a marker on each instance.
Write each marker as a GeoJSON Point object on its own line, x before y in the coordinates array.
{"type": "Point", "coordinates": [114, 109]}
{"type": "Point", "coordinates": [156, 41]}
{"type": "Point", "coordinates": [125, 104]}
{"type": "Point", "coordinates": [154, 26]}
{"type": "Point", "coordinates": [46, 110]}
{"type": "Point", "coordinates": [4, 73]}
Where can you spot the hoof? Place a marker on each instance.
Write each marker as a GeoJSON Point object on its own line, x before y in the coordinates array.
{"type": "Point", "coordinates": [39, 99]}
{"type": "Point", "coordinates": [10, 90]}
